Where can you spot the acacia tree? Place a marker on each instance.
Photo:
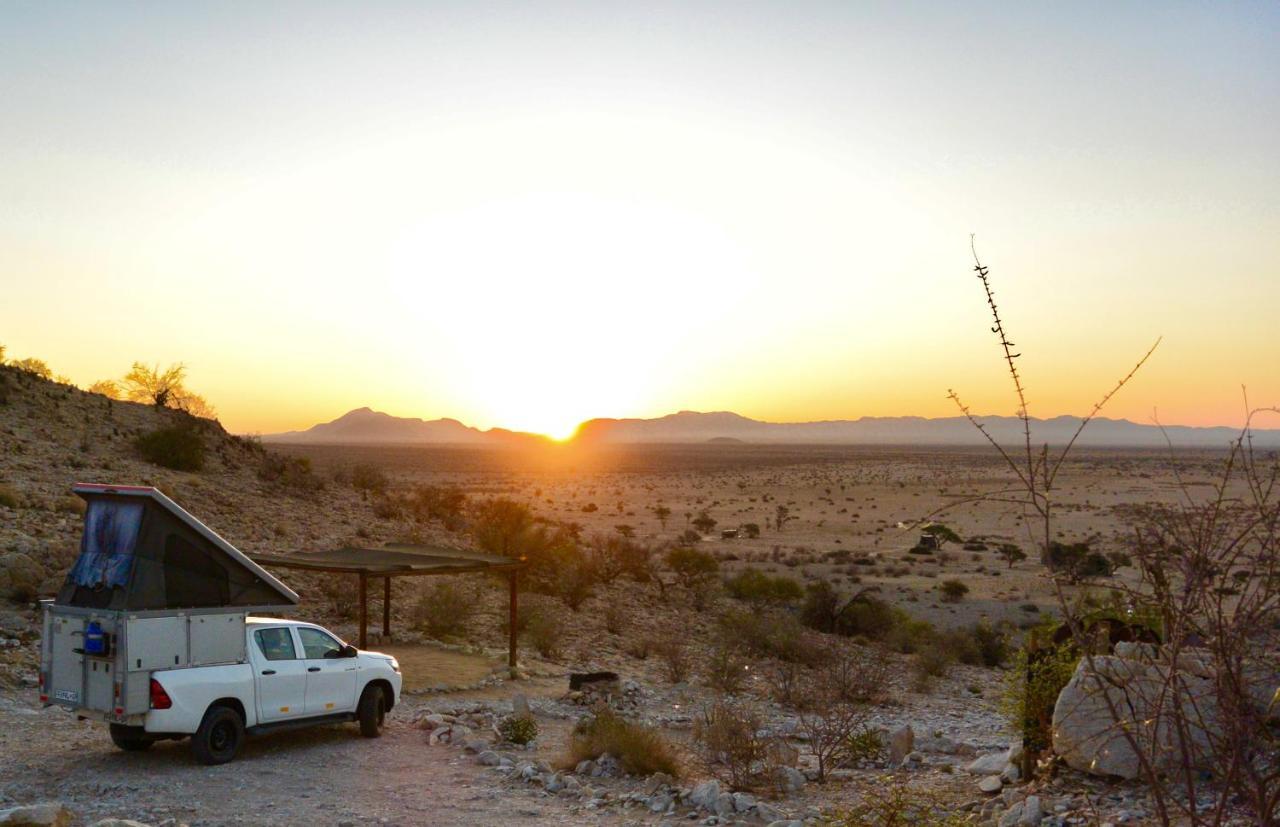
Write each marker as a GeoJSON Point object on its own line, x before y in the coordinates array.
{"type": "Point", "coordinates": [109, 388]}
{"type": "Point", "coordinates": [662, 513]}
{"type": "Point", "coordinates": [165, 389]}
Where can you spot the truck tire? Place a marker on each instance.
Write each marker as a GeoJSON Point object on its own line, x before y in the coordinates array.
{"type": "Point", "coordinates": [130, 738]}
{"type": "Point", "coordinates": [372, 711]}
{"type": "Point", "coordinates": [219, 737]}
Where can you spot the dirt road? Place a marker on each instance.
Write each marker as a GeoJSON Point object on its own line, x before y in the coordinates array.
{"type": "Point", "coordinates": [322, 776]}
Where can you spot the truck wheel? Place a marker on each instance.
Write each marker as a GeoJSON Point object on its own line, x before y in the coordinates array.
{"type": "Point", "coordinates": [219, 737]}
{"type": "Point", "coordinates": [130, 738]}
{"type": "Point", "coordinates": [372, 711]}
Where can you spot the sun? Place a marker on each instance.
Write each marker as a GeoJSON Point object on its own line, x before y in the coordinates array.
{"type": "Point", "coordinates": [543, 311]}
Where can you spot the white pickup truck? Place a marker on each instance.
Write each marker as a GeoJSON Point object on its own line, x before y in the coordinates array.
{"type": "Point", "coordinates": [296, 674]}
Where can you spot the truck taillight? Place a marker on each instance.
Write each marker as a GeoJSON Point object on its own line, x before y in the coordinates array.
{"type": "Point", "coordinates": [159, 698]}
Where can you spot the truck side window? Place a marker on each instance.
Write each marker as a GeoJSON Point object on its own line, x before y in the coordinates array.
{"type": "Point", "coordinates": [316, 644]}
{"type": "Point", "coordinates": [275, 644]}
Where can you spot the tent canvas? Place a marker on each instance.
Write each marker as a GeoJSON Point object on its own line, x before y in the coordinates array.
{"type": "Point", "coordinates": [142, 551]}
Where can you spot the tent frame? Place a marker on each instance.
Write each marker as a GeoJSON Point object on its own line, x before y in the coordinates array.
{"type": "Point", "coordinates": [409, 561]}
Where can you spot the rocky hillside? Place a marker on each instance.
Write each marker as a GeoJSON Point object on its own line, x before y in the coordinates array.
{"type": "Point", "coordinates": [53, 435]}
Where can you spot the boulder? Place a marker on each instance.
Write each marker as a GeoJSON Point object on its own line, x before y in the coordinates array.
{"type": "Point", "coordinates": [705, 794]}
{"type": "Point", "coordinates": [790, 779]}
{"type": "Point", "coordinates": [1089, 738]}
{"type": "Point", "coordinates": [992, 764]}
{"type": "Point", "coordinates": [901, 741]}
{"type": "Point", "coordinates": [37, 815]}
{"type": "Point", "coordinates": [20, 576]}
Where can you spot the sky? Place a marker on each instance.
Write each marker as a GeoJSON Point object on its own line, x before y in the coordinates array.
{"type": "Point", "coordinates": [528, 214]}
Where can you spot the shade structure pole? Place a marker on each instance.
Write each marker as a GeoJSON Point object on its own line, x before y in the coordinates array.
{"type": "Point", "coordinates": [511, 625]}
{"type": "Point", "coordinates": [364, 610]}
{"type": "Point", "coordinates": [386, 606]}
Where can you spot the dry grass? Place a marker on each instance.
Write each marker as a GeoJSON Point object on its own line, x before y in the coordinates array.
{"type": "Point", "coordinates": [641, 750]}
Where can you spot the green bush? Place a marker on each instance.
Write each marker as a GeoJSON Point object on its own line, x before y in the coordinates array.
{"type": "Point", "coordinates": [692, 568]}
{"type": "Point", "coordinates": [180, 447]}
{"type": "Point", "coordinates": [864, 745]}
{"type": "Point", "coordinates": [754, 586]}
{"type": "Point", "coordinates": [293, 474]}
{"type": "Point", "coordinates": [978, 645]}
{"type": "Point", "coordinates": [1032, 687]}
{"type": "Point", "coordinates": [641, 750]}
{"type": "Point", "coordinates": [772, 634]}
{"type": "Point", "coordinates": [10, 497]}
{"type": "Point", "coordinates": [518, 729]}
{"type": "Point", "coordinates": [444, 610]}
{"type": "Point", "coordinates": [953, 591]}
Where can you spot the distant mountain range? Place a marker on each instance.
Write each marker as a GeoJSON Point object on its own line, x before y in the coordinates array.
{"type": "Point", "coordinates": [366, 426]}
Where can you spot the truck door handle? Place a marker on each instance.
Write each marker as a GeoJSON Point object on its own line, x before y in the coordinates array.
{"type": "Point", "coordinates": [268, 671]}
{"type": "Point", "coordinates": [313, 668]}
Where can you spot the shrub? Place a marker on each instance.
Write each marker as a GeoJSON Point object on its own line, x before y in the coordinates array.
{"type": "Point", "coordinates": [864, 744]}
{"type": "Point", "coordinates": [180, 447]}
{"type": "Point", "coordinates": [518, 729]}
{"type": "Point", "coordinates": [894, 803]}
{"type": "Point", "coordinates": [615, 618]}
{"type": "Point", "coordinates": [979, 645]}
{"type": "Point", "coordinates": [933, 661]}
{"type": "Point", "coordinates": [443, 610]}
{"type": "Point", "coordinates": [733, 744]}
{"type": "Point", "coordinates": [751, 530]}
{"type": "Point", "coordinates": [368, 479]}
{"type": "Point", "coordinates": [772, 635]}
{"type": "Point", "coordinates": [953, 591]}
{"type": "Point", "coordinates": [545, 632]}
{"type": "Point", "coordinates": [10, 497]}
{"type": "Point", "coordinates": [1032, 686]}
{"type": "Point", "coordinates": [293, 474]}
{"type": "Point", "coordinates": [641, 750]}
{"type": "Point", "coordinates": [726, 668]}
{"type": "Point", "coordinates": [691, 567]}
{"type": "Point", "coordinates": [754, 586]}
{"type": "Point", "coordinates": [672, 650]}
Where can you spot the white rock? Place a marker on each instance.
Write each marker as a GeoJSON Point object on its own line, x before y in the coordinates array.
{"type": "Point", "coordinates": [990, 784]}
{"type": "Point", "coordinates": [901, 741]}
{"type": "Point", "coordinates": [705, 794]}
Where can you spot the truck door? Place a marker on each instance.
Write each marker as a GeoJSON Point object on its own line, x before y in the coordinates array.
{"type": "Point", "coordinates": [280, 676]}
{"type": "Point", "coordinates": [331, 678]}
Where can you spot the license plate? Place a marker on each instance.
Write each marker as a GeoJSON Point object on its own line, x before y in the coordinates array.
{"type": "Point", "coordinates": [66, 695]}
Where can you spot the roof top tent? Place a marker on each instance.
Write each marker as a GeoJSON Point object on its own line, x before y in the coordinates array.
{"type": "Point", "coordinates": [141, 551]}
{"type": "Point", "coordinates": [153, 588]}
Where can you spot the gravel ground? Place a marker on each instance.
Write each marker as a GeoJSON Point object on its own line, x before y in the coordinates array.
{"type": "Point", "coordinates": [320, 776]}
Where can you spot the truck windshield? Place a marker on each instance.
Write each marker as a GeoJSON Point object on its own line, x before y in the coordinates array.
{"type": "Point", "coordinates": [106, 549]}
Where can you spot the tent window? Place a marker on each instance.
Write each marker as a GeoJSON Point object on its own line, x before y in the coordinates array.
{"type": "Point", "coordinates": [192, 576]}
{"type": "Point", "coordinates": [106, 549]}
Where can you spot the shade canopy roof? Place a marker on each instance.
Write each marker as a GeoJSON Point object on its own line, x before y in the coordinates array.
{"type": "Point", "coordinates": [391, 560]}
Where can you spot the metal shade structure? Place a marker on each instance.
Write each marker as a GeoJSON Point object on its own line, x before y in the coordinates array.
{"type": "Point", "coordinates": [399, 560]}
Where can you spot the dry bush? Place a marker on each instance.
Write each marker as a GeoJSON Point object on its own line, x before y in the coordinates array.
{"type": "Point", "coordinates": [861, 675]}
{"type": "Point", "coordinates": [179, 446]}
{"type": "Point", "coordinates": [444, 609]}
{"type": "Point", "coordinates": [616, 618]}
{"type": "Point", "coordinates": [544, 631]}
{"type": "Point", "coordinates": [10, 497]}
{"type": "Point", "coordinates": [895, 803]}
{"type": "Point", "coordinates": [640, 749]}
{"type": "Point", "coordinates": [673, 650]}
{"type": "Point", "coordinates": [731, 739]}
{"type": "Point", "coordinates": [829, 720]}
{"type": "Point", "coordinates": [726, 668]}
{"type": "Point", "coordinates": [772, 634]}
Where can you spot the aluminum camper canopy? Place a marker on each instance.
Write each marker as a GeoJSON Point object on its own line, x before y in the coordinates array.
{"type": "Point", "coordinates": [141, 551]}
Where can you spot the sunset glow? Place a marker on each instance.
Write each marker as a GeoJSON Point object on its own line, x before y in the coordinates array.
{"type": "Point", "coordinates": [525, 220]}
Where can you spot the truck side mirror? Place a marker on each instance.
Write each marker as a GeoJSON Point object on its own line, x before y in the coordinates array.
{"type": "Point", "coordinates": [349, 651]}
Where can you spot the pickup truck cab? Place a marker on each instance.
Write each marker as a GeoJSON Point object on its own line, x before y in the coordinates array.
{"type": "Point", "coordinates": [294, 674]}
